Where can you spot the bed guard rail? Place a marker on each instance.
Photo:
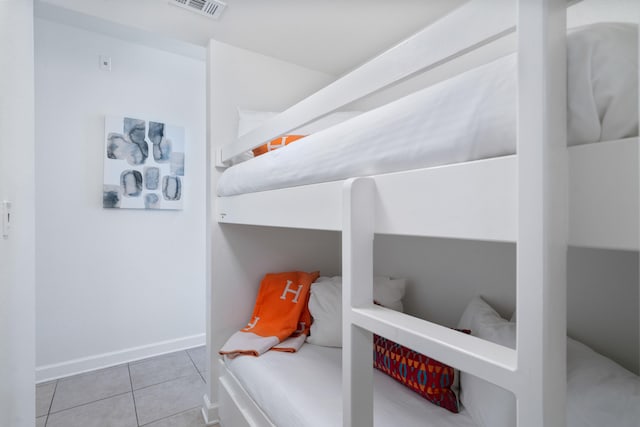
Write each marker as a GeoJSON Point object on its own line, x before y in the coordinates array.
{"type": "Point", "coordinates": [479, 22]}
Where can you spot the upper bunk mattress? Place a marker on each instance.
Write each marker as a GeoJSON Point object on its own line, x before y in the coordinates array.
{"type": "Point", "coordinates": [304, 389]}
{"type": "Point", "coordinates": [469, 117]}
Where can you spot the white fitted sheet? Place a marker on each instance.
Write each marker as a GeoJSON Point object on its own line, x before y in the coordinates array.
{"type": "Point", "coordinates": [304, 390]}
{"type": "Point", "coordinates": [471, 116]}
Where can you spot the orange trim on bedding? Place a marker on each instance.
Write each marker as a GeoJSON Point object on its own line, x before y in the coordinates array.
{"type": "Point", "coordinates": [276, 143]}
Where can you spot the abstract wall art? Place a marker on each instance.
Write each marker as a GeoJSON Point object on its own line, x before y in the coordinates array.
{"type": "Point", "coordinates": [143, 164]}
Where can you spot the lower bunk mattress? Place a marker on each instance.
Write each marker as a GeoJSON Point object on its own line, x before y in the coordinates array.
{"type": "Point", "coordinates": [469, 117]}
{"type": "Point", "coordinates": [304, 390]}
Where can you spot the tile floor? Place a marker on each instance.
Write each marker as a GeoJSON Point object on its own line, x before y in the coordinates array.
{"type": "Point", "coordinates": [163, 391]}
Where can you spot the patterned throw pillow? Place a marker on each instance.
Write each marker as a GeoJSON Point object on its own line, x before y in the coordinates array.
{"type": "Point", "coordinates": [435, 381]}
{"type": "Point", "coordinates": [274, 144]}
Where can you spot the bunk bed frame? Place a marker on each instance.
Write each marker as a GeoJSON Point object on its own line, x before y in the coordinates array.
{"type": "Point", "coordinates": [544, 198]}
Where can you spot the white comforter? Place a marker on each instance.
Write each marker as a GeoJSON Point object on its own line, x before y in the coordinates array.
{"type": "Point", "coordinates": [469, 117]}
{"type": "Point", "coordinates": [304, 390]}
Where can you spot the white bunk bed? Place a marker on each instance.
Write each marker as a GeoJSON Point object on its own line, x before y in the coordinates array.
{"type": "Point", "coordinates": [544, 198]}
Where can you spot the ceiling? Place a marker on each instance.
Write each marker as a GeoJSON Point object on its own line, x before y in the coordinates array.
{"type": "Point", "coordinates": [331, 36]}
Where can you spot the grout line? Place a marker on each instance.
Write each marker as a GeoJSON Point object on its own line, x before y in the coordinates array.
{"type": "Point", "coordinates": [196, 366]}
{"type": "Point", "coordinates": [133, 396]}
{"type": "Point", "coordinates": [172, 415]}
{"type": "Point", "coordinates": [120, 394]}
{"type": "Point", "coordinates": [175, 378]}
{"type": "Point", "coordinates": [55, 387]}
{"type": "Point", "coordinates": [89, 403]}
{"type": "Point", "coordinates": [194, 363]}
{"type": "Point", "coordinates": [166, 381]}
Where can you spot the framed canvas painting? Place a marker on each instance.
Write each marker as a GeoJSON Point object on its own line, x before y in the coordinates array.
{"type": "Point", "coordinates": [143, 164]}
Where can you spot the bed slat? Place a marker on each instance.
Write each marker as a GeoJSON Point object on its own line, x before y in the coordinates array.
{"type": "Point", "coordinates": [474, 200]}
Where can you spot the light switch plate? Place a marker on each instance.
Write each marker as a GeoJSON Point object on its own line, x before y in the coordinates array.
{"type": "Point", "coordinates": [6, 218]}
{"type": "Point", "coordinates": [105, 62]}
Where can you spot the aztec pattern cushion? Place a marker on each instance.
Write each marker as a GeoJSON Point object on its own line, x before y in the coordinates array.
{"type": "Point", "coordinates": [435, 381]}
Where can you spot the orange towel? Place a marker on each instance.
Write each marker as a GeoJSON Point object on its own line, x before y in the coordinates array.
{"type": "Point", "coordinates": [299, 336]}
{"type": "Point", "coordinates": [280, 317]}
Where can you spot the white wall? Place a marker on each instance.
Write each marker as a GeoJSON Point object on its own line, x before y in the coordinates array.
{"type": "Point", "coordinates": [17, 260]}
{"type": "Point", "coordinates": [602, 303]}
{"type": "Point", "coordinates": [241, 255]}
{"type": "Point", "coordinates": [112, 285]}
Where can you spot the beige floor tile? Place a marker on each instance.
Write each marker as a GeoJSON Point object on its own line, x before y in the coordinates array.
{"type": "Point", "coordinates": [191, 418]}
{"type": "Point", "coordinates": [199, 357]}
{"type": "Point", "coordinates": [117, 411]}
{"type": "Point", "coordinates": [169, 398]}
{"type": "Point", "coordinates": [160, 369]}
{"type": "Point", "coordinates": [44, 395]}
{"type": "Point", "coordinates": [91, 386]}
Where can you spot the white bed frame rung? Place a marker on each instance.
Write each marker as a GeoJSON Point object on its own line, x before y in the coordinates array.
{"type": "Point", "coordinates": [478, 357]}
{"type": "Point", "coordinates": [473, 200]}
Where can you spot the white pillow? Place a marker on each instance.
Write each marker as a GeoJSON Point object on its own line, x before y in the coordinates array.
{"type": "Point", "coordinates": [602, 67]}
{"type": "Point", "coordinates": [250, 119]}
{"type": "Point", "coordinates": [599, 391]}
{"type": "Point", "coordinates": [488, 404]}
{"type": "Point", "coordinates": [325, 306]}
{"type": "Point", "coordinates": [389, 292]}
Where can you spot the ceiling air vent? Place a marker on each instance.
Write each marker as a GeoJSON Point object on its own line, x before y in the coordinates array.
{"type": "Point", "coordinates": [211, 8]}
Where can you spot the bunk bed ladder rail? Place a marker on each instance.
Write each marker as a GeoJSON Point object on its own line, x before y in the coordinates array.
{"type": "Point", "coordinates": [361, 318]}
{"type": "Point", "coordinates": [357, 273]}
{"type": "Point", "coordinates": [543, 212]}
{"type": "Point", "coordinates": [536, 372]}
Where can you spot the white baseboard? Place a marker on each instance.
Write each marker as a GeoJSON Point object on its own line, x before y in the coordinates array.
{"type": "Point", "coordinates": [85, 364]}
{"type": "Point", "coordinates": [210, 412]}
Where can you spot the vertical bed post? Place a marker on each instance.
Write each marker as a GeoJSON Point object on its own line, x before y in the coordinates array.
{"type": "Point", "coordinates": [543, 213]}
{"type": "Point", "coordinates": [357, 271]}
{"type": "Point", "coordinates": [210, 399]}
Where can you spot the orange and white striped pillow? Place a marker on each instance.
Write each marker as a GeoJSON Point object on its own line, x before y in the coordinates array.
{"type": "Point", "coordinates": [250, 119]}
{"type": "Point", "coordinates": [276, 143]}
